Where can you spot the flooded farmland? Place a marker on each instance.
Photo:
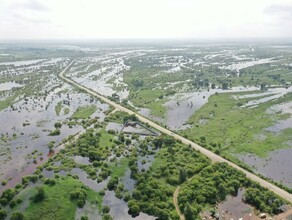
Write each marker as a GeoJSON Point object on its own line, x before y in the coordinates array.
{"type": "Point", "coordinates": [276, 166]}
{"type": "Point", "coordinates": [56, 136]}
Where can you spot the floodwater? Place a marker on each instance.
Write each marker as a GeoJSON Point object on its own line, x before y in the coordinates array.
{"type": "Point", "coordinates": [241, 65]}
{"type": "Point", "coordinates": [274, 93]}
{"type": "Point", "coordinates": [283, 108]}
{"type": "Point", "coordinates": [119, 208]}
{"type": "Point", "coordinates": [92, 184]}
{"type": "Point", "coordinates": [276, 166]}
{"type": "Point", "coordinates": [146, 112]}
{"type": "Point", "coordinates": [26, 125]}
{"type": "Point", "coordinates": [280, 125]}
{"type": "Point", "coordinates": [127, 181]}
{"type": "Point", "coordinates": [235, 208]}
{"type": "Point", "coordinates": [97, 80]}
{"type": "Point", "coordinates": [145, 162]}
{"type": "Point", "coordinates": [89, 210]}
{"type": "Point", "coordinates": [114, 126]}
{"type": "Point", "coordinates": [21, 63]}
{"type": "Point", "coordinates": [181, 106]}
{"type": "Point", "coordinates": [9, 85]}
{"type": "Point", "coordinates": [81, 160]}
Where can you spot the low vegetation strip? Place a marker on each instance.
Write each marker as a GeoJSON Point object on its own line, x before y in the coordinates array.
{"type": "Point", "coordinates": [58, 108]}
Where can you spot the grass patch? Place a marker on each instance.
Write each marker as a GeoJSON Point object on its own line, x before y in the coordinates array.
{"type": "Point", "coordinates": [119, 169]}
{"type": "Point", "coordinates": [84, 112]}
{"type": "Point", "coordinates": [152, 99]}
{"type": "Point", "coordinates": [105, 138]}
{"type": "Point", "coordinates": [57, 204]}
{"type": "Point", "coordinates": [234, 129]}
{"type": "Point", "coordinates": [157, 108]}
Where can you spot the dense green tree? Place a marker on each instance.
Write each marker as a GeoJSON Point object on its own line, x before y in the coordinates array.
{"type": "Point", "coordinates": [134, 210]}
{"type": "Point", "coordinates": [182, 175]}
{"type": "Point", "coordinates": [188, 212]}
{"type": "Point", "coordinates": [112, 183]}
{"type": "Point", "coordinates": [17, 216]}
{"type": "Point", "coordinates": [79, 196]}
{"type": "Point", "coordinates": [225, 85]}
{"type": "Point", "coordinates": [3, 214]}
{"type": "Point", "coordinates": [107, 217]}
{"type": "Point", "coordinates": [105, 209]}
{"type": "Point", "coordinates": [58, 125]}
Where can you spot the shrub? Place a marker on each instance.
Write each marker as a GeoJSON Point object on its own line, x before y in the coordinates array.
{"type": "Point", "coordinates": [40, 195]}
{"type": "Point", "coordinates": [58, 125]}
{"type": "Point", "coordinates": [79, 195]}
{"type": "Point", "coordinates": [106, 209]}
{"type": "Point", "coordinates": [56, 132]}
{"type": "Point", "coordinates": [3, 214]}
{"type": "Point", "coordinates": [17, 216]}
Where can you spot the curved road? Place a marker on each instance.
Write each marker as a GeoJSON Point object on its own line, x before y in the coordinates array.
{"type": "Point", "coordinates": [175, 202]}
{"type": "Point", "coordinates": [214, 157]}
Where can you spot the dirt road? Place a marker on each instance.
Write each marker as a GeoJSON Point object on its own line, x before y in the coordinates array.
{"type": "Point", "coordinates": [175, 202]}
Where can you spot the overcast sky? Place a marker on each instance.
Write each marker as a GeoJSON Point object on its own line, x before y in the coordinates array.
{"type": "Point", "coordinates": [99, 19]}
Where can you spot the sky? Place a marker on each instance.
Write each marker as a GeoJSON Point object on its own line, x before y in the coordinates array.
{"type": "Point", "coordinates": [134, 19]}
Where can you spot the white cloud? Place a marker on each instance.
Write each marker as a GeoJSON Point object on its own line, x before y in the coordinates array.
{"type": "Point", "coordinates": [144, 18]}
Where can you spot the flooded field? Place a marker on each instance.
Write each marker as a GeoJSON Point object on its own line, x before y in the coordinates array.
{"type": "Point", "coordinates": [28, 122]}
{"type": "Point", "coordinates": [27, 125]}
{"type": "Point", "coordinates": [235, 208]}
{"type": "Point", "coordinates": [276, 166]}
{"type": "Point", "coordinates": [8, 85]}
{"type": "Point", "coordinates": [123, 167]}
{"type": "Point", "coordinates": [183, 105]}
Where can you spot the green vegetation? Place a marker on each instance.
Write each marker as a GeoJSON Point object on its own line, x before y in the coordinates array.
{"type": "Point", "coordinates": [79, 195]}
{"type": "Point", "coordinates": [55, 132]}
{"type": "Point", "coordinates": [3, 214]}
{"type": "Point", "coordinates": [155, 187]}
{"type": "Point", "coordinates": [158, 165]}
{"type": "Point", "coordinates": [263, 200]}
{"type": "Point", "coordinates": [17, 216]}
{"type": "Point", "coordinates": [66, 111]}
{"type": "Point", "coordinates": [58, 125]}
{"type": "Point", "coordinates": [237, 131]}
{"type": "Point", "coordinates": [40, 195]}
{"type": "Point", "coordinates": [84, 112]}
{"type": "Point", "coordinates": [58, 108]}
{"type": "Point", "coordinates": [218, 180]}
{"type": "Point", "coordinates": [173, 165]}
{"type": "Point", "coordinates": [57, 203]}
